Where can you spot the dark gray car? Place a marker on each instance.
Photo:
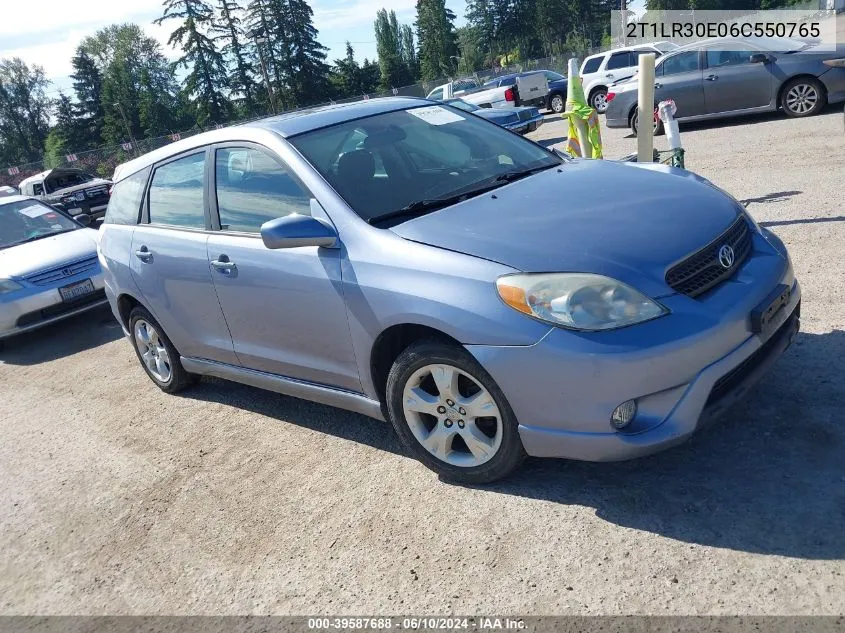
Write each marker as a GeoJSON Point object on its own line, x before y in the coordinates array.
{"type": "Point", "coordinates": [729, 77]}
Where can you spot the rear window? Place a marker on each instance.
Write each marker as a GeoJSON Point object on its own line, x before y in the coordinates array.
{"type": "Point", "coordinates": [591, 65]}
{"type": "Point", "coordinates": [125, 202]}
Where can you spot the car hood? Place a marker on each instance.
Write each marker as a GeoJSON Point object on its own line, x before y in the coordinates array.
{"type": "Point", "coordinates": [627, 221]}
{"type": "Point", "coordinates": [48, 252]}
{"type": "Point", "coordinates": [97, 182]}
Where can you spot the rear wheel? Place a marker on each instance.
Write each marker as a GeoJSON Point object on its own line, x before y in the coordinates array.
{"type": "Point", "coordinates": [156, 353]}
{"type": "Point", "coordinates": [557, 104]}
{"type": "Point", "coordinates": [451, 415]}
{"type": "Point", "coordinates": [598, 100]}
{"type": "Point", "coordinates": [635, 123]}
{"type": "Point", "coordinates": [802, 96]}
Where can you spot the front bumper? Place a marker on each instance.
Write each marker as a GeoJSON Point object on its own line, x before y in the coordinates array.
{"type": "Point", "coordinates": [34, 307]}
{"type": "Point", "coordinates": [683, 370]}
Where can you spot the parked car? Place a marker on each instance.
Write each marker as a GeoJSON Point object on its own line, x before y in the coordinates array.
{"type": "Point", "coordinates": [48, 266]}
{"type": "Point", "coordinates": [555, 99]}
{"type": "Point", "coordinates": [519, 120]}
{"type": "Point", "coordinates": [69, 189]}
{"type": "Point", "coordinates": [599, 71]}
{"type": "Point", "coordinates": [723, 78]}
{"type": "Point", "coordinates": [526, 90]}
{"type": "Point", "coordinates": [409, 261]}
{"type": "Point", "coordinates": [5, 190]}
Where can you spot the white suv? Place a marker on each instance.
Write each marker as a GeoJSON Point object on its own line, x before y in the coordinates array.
{"type": "Point", "coordinates": [600, 71]}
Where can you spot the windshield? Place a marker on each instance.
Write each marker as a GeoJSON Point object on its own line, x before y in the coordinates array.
{"type": "Point", "coordinates": [29, 220]}
{"type": "Point", "coordinates": [422, 154]}
{"type": "Point", "coordinates": [779, 44]}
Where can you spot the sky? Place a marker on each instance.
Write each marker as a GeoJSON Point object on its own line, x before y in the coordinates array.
{"type": "Point", "coordinates": [48, 35]}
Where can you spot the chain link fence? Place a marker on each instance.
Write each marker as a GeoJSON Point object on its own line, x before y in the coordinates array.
{"type": "Point", "coordinates": [102, 161]}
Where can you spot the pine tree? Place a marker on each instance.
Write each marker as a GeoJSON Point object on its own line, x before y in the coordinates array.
{"type": "Point", "coordinates": [88, 86]}
{"type": "Point", "coordinates": [230, 35]}
{"type": "Point", "coordinates": [409, 50]}
{"type": "Point", "coordinates": [207, 77]}
{"type": "Point", "coordinates": [436, 35]}
{"type": "Point", "coordinates": [394, 73]}
{"type": "Point", "coordinates": [308, 72]}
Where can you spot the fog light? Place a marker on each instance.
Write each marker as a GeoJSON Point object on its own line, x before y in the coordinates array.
{"type": "Point", "coordinates": [623, 414]}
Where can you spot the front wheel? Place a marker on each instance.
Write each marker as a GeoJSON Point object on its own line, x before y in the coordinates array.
{"type": "Point", "coordinates": [802, 96]}
{"type": "Point", "coordinates": [156, 353]}
{"type": "Point", "coordinates": [557, 104]}
{"type": "Point", "coordinates": [451, 415]}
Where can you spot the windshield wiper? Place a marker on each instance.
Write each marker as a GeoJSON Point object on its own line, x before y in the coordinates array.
{"type": "Point", "coordinates": [421, 207]}
{"type": "Point", "coordinates": [38, 237]}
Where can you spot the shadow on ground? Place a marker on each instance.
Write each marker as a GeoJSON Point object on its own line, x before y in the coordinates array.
{"type": "Point", "coordinates": [768, 478]}
{"type": "Point", "coordinates": [64, 338]}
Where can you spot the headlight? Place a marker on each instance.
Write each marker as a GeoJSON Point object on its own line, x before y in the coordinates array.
{"type": "Point", "coordinates": [581, 301]}
{"type": "Point", "coordinates": [7, 285]}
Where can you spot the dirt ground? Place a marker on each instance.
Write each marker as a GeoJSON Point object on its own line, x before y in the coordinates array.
{"type": "Point", "coordinates": [120, 499]}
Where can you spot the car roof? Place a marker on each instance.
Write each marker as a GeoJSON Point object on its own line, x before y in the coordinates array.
{"type": "Point", "coordinates": [34, 178]}
{"type": "Point", "coordinates": [285, 125]}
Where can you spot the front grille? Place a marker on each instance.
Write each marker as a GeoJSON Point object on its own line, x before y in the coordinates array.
{"type": "Point", "coordinates": [51, 276]}
{"type": "Point", "coordinates": [31, 318]}
{"type": "Point", "coordinates": [738, 374]}
{"type": "Point", "coordinates": [701, 271]}
{"type": "Point", "coordinates": [96, 192]}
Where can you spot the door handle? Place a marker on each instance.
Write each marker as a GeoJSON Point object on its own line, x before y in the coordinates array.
{"type": "Point", "coordinates": [223, 264]}
{"type": "Point", "coordinates": [712, 77]}
{"type": "Point", "coordinates": [609, 75]}
{"type": "Point", "coordinates": [144, 254]}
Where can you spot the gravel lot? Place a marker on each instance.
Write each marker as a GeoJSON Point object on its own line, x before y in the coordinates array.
{"type": "Point", "coordinates": [119, 499]}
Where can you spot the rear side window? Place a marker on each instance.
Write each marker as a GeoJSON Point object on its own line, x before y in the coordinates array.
{"type": "Point", "coordinates": [125, 201]}
{"type": "Point", "coordinates": [176, 193]}
{"type": "Point", "coordinates": [253, 187]}
{"type": "Point", "coordinates": [619, 60]}
{"type": "Point", "coordinates": [591, 65]}
{"type": "Point", "coordinates": [37, 189]}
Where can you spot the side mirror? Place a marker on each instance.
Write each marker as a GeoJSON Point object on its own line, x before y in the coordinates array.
{"type": "Point", "coordinates": [83, 218]}
{"type": "Point", "coordinates": [296, 230]}
{"type": "Point", "coordinates": [759, 58]}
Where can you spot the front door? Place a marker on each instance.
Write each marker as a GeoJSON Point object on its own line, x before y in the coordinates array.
{"type": "Point", "coordinates": [169, 262]}
{"type": "Point", "coordinates": [285, 308]}
{"type": "Point", "coordinates": [732, 82]}
{"type": "Point", "coordinates": [679, 78]}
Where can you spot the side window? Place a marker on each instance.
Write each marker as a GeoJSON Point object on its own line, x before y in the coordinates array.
{"type": "Point", "coordinates": [619, 60]}
{"type": "Point", "coordinates": [253, 187]}
{"type": "Point", "coordinates": [680, 63]}
{"type": "Point", "coordinates": [591, 65]}
{"type": "Point", "coordinates": [125, 201]}
{"type": "Point", "coordinates": [716, 59]}
{"type": "Point", "coordinates": [436, 95]}
{"type": "Point", "coordinates": [37, 189]}
{"type": "Point", "coordinates": [508, 81]}
{"type": "Point", "coordinates": [176, 193]}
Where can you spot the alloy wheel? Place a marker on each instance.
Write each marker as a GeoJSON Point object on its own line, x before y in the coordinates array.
{"type": "Point", "coordinates": [600, 101]}
{"type": "Point", "coordinates": [557, 104]}
{"type": "Point", "coordinates": [802, 98]}
{"type": "Point", "coordinates": [152, 351]}
{"type": "Point", "coordinates": [452, 415]}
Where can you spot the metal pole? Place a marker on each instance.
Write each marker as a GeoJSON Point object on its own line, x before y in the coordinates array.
{"type": "Point", "coordinates": [128, 129]}
{"type": "Point", "coordinates": [645, 125]}
{"type": "Point", "coordinates": [266, 78]}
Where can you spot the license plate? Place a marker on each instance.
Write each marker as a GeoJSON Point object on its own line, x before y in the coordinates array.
{"type": "Point", "coordinates": [77, 290]}
{"type": "Point", "coordinates": [771, 313]}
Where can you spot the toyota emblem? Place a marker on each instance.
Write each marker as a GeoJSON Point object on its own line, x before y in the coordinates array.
{"type": "Point", "coordinates": [726, 256]}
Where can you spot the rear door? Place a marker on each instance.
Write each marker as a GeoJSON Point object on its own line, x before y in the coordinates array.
{"type": "Point", "coordinates": [169, 260]}
{"type": "Point", "coordinates": [618, 67]}
{"type": "Point", "coordinates": [679, 77]}
{"type": "Point", "coordinates": [732, 82]}
{"type": "Point", "coordinates": [284, 307]}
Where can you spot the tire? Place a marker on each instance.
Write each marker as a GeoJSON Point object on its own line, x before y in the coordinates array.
{"type": "Point", "coordinates": [598, 100]}
{"type": "Point", "coordinates": [496, 448]}
{"type": "Point", "coordinates": [557, 103]}
{"type": "Point", "coordinates": [635, 119]}
{"type": "Point", "coordinates": [802, 96]}
{"type": "Point", "coordinates": [159, 352]}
